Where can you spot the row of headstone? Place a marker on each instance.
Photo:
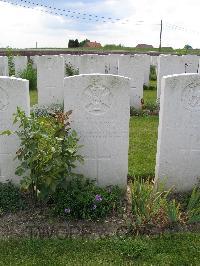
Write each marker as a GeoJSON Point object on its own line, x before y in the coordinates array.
{"type": "Point", "coordinates": [50, 71]}
{"type": "Point", "coordinates": [101, 111]}
{"type": "Point", "coordinates": [100, 105]}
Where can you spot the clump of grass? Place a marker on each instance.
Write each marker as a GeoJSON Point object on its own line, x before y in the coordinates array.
{"type": "Point", "coordinates": [30, 74]}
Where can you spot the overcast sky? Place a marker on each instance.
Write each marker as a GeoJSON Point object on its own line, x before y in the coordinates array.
{"type": "Point", "coordinates": [139, 23]}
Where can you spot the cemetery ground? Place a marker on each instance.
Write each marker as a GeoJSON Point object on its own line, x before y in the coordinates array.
{"type": "Point", "coordinates": [34, 237]}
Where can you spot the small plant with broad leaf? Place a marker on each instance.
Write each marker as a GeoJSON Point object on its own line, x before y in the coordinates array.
{"type": "Point", "coordinates": [48, 152]}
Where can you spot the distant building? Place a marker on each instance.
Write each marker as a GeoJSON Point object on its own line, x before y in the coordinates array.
{"type": "Point", "coordinates": [92, 45]}
{"type": "Point", "coordinates": [144, 46]}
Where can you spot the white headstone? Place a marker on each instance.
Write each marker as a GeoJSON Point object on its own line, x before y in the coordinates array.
{"type": "Point", "coordinates": [4, 66]}
{"type": "Point", "coordinates": [100, 114]}
{"type": "Point", "coordinates": [147, 63]}
{"type": "Point", "coordinates": [178, 148]}
{"type": "Point", "coordinates": [133, 67]}
{"type": "Point", "coordinates": [191, 63]}
{"type": "Point", "coordinates": [168, 65]}
{"type": "Point", "coordinates": [112, 64]}
{"type": "Point", "coordinates": [92, 64]}
{"type": "Point", "coordinates": [50, 79]}
{"type": "Point", "coordinates": [20, 63]}
{"type": "Point", "coordinates": [13, 93]}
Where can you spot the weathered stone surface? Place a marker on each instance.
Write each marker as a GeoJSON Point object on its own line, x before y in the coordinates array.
{"type": "Point", "coordinates": [168, 65]}
{"type": "Point", "coordinates": [20, 63]}
{"type": "Point", "coordinates": [147, 63]}
{"type": "Point", "coordinates": [133, 68]}
{"type": "Point", "coordinates": [50, 79]}
{"type": "Point", "coordinates": [191, 63]}
{"type": "Point", "coordinates": [89, 64]}
{"type": "Point", "coordinates": [4, 66]}
{"type": "Point", "coordinates": [101, 110]}
{"type": "Point", "coordinates": [178, 148]}
{"type": "Point", "coordinates": [13, 93]}
{"type": "Point", "coordinates": [112, 64]}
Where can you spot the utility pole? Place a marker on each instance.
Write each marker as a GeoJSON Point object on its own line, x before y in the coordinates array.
{"type": "Point", "coordinates": [161, 28]}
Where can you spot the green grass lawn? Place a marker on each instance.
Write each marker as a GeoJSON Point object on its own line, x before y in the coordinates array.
{"type": "Point", "coordinates": [150, 96]}
{"type": "Point", "coordinates": [171, 249]}
{"type": "Point", "coordinates": [33, 97]}
{"type": "Point", "coordinates": [142, 145]}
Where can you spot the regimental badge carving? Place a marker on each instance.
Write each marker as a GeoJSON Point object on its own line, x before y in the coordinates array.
{"type": "Point", "coordinates": [3, 100]}
{"type": "Point", "coordinates": [97, 99]}
{"type": "Point", "coordinates": [191, 97]}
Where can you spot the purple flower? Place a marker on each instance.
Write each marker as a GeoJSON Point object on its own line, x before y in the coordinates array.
{"type": "Point", "coordinates": [98, 197]}
{"type": "Point", "coordinates": [67, 210]}
{"type": "Point", "coordinates": [94, 207]}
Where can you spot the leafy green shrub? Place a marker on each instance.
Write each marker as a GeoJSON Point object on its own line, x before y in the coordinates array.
{"type": "Point", "coordinates": [30, 74]}
{"type": "Point", "coordinates": [47, 110]}
{"type": "Point", "coordinates": [193, 208]}
{"type": "Point", "coordinates": [11, 199]}
{"type": "Point", "coordinates": [70, 70]}
{"type": "Point", "coordinates": [147, 202]}
{"type": "Point", "coordinates": [11, 66]}
{"type": "Point", "coordinates": [150, 87]}
{"type": "Point", "coordinates": [152, 75]}
{"type": "Point", "coordinates": [48, 152]}
{"type": "Point", "coordinates": [80, 198]}
{"type": "Point", "coordinates": [136, 112]}
{"type": "Point", "coordinates": [148, 108]}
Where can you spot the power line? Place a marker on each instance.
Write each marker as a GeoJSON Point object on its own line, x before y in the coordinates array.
{"type": "Point", "coordinates": [175, 27]}
{"type": "Point", "coordinates": [67, 12]}
{"type": "Point", "coordinates": [86, 17]}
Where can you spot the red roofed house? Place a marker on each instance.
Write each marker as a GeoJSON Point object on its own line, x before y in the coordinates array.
{"type": "Point", "coordinates": [92, 45]}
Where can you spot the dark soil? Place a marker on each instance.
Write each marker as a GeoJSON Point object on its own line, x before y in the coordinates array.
{"type": "Point", "coordinates": [39, 223]}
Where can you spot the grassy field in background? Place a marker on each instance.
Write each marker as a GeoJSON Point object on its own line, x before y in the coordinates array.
{"type": "Point", "coordinates": [171, 249]}
{"type": "Point", "coordinates": [142, 140]}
